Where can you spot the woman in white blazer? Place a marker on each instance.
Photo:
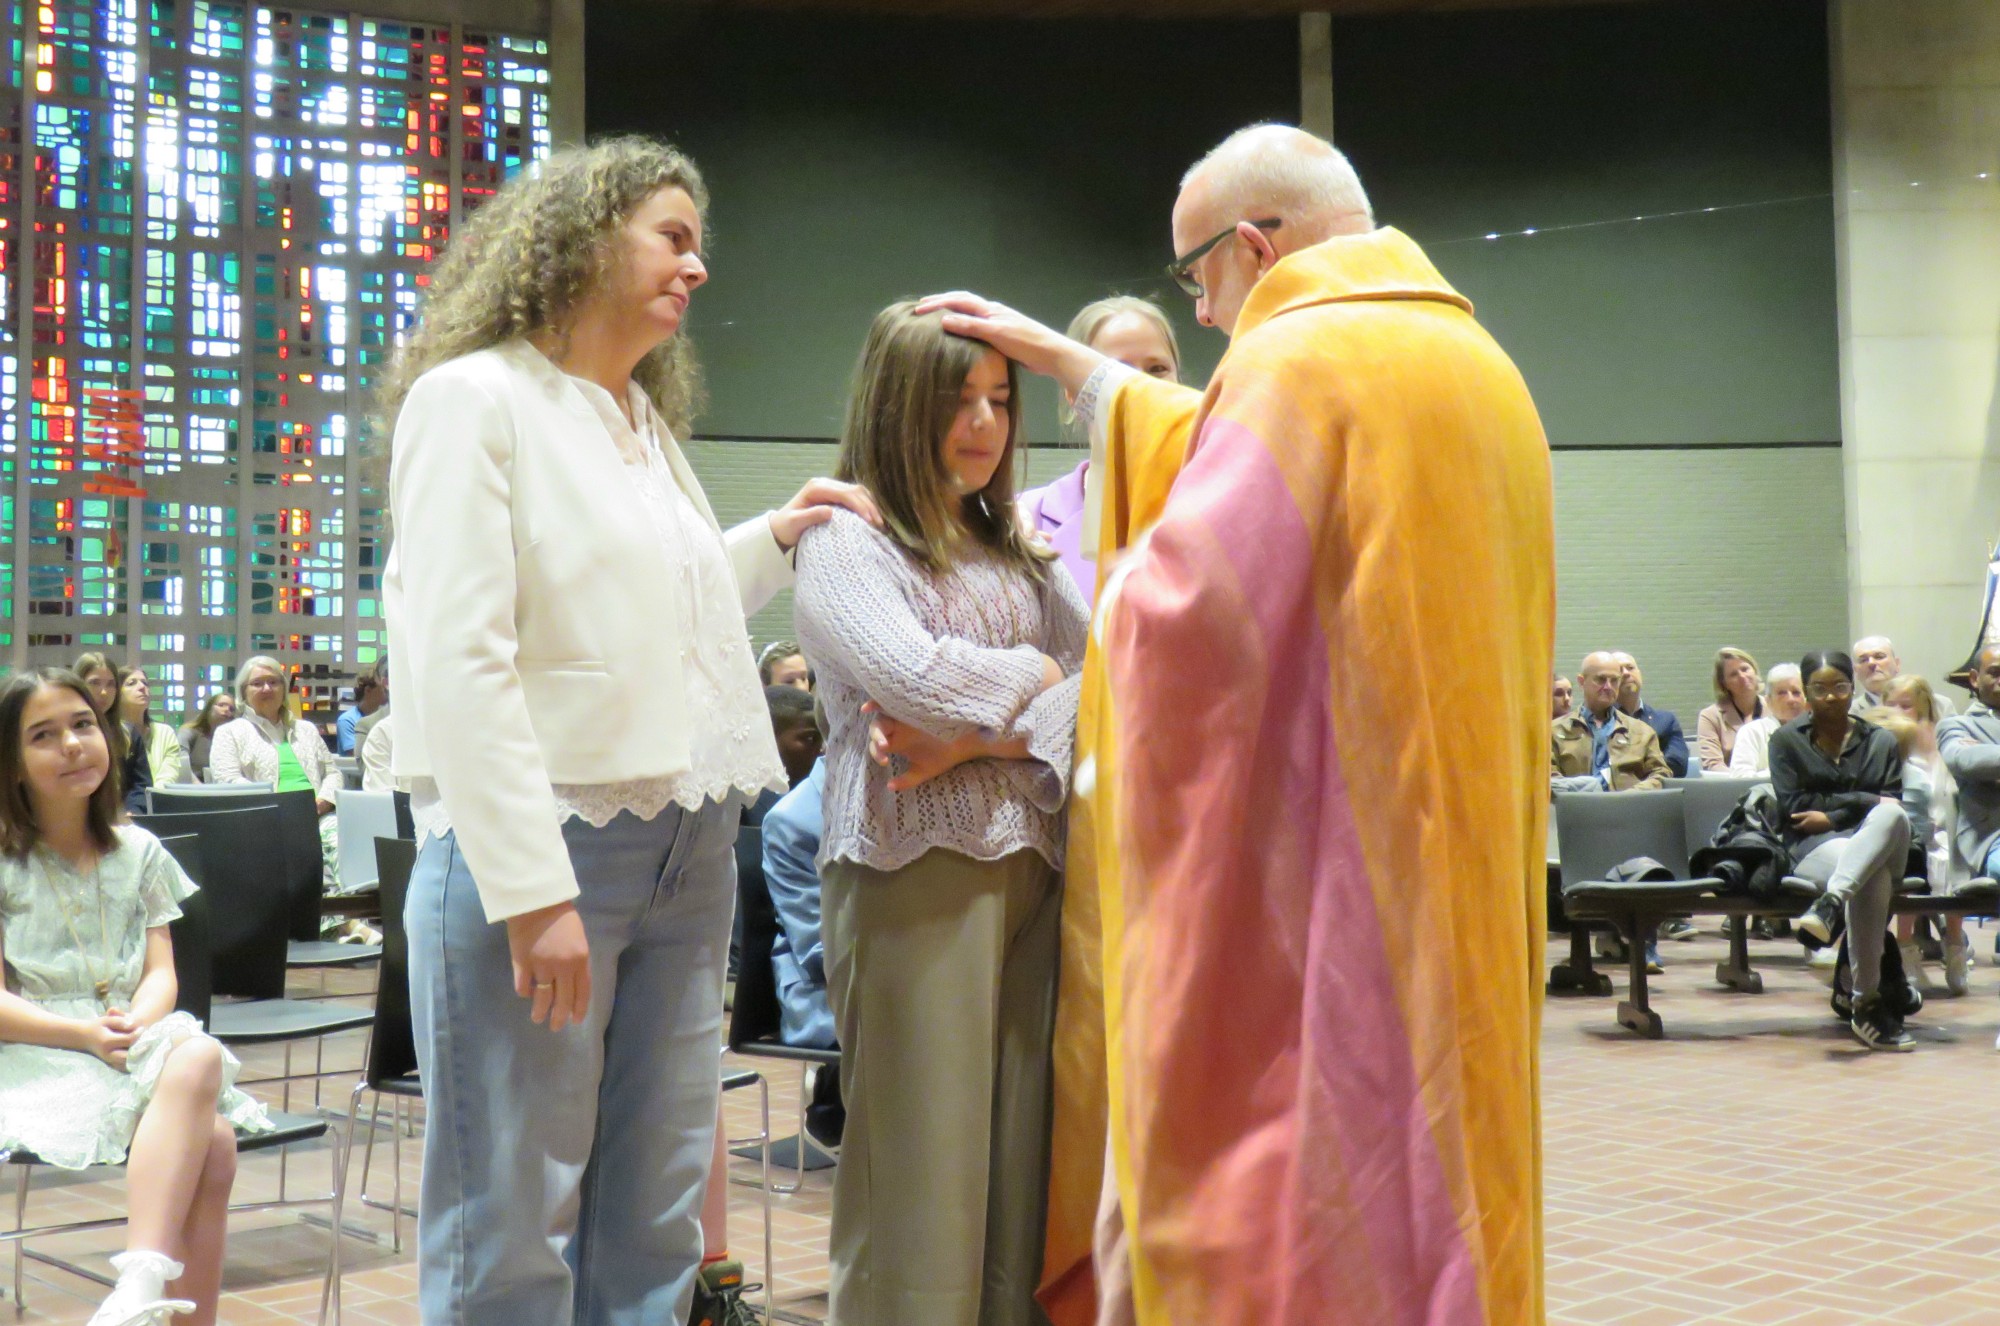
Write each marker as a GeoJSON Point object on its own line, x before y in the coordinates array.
{"type": "Point", "coordinates": [579, 721]}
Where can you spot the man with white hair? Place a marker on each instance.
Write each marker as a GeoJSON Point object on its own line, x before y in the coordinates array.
{"type": "Point", "coordinates": [1875, 666]}
{"type": "Point", "coordinates": [1365, 480]}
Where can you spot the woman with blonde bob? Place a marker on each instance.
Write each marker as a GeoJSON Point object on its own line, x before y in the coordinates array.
{"type": "Point", "coordinates": [579, 722]}
{"type": "Point", "coordinates": [947, 648]}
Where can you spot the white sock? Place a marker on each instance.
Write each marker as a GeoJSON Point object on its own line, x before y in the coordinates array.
{"type": "Point", "coordinates": [139, 1296]}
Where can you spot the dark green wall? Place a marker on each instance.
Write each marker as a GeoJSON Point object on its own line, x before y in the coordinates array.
{"type": "Point", "coordinates": [856, 161]}
{"type": "Point", "coordinates": [1704, 328]}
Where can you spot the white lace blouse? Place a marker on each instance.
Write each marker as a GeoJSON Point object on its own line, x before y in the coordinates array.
{"type": "Point", "coordinates": [731, 748]}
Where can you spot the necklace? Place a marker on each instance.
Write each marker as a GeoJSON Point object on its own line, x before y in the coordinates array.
{"type": "Point", "coordinates": [102, 983]}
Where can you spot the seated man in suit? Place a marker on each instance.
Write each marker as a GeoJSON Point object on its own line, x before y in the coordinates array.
{"type": "Point", "coordinates": [1969, 744]}
{"type": "Point", "coordinates": [1666, 726]}
{"type": "Point", "coordinates": [1600, 747]}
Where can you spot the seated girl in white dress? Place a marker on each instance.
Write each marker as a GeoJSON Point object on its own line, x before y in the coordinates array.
{"type": "Point", "coordinates": [96, 1066]}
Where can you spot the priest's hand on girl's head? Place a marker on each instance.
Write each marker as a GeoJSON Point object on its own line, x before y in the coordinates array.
{"type": "Point", "coordinates": [1035, 347]}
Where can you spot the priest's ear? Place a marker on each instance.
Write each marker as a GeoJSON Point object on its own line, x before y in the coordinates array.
{"type": "Point", "coordinates": [1257, 240]}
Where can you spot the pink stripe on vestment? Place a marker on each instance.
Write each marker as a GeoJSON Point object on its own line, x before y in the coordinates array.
{"type": "Point", "coordinates": [1367, 1220]}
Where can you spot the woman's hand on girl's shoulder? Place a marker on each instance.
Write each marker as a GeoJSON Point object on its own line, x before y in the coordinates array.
{"type": "Point", "coordinates": [815, 504]}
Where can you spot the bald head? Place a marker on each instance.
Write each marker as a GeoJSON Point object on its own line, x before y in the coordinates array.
{"type": "Point", "coordinates": [1281, 190]}
{"type": "Point", "coordinates": [1278, 171]}
{"type": "Point", "coordinates": [1598, 679]}
{"type": "Point", "coordinates": [1986, 677]}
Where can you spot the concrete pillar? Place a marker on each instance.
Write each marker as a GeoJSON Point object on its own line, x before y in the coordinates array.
{"type": "Point", "coordinates": [1916, 116]}
{"type": "Point", "coordinates": [1316, 74]}
{"type": "Point", "coordinates": [566, 124]}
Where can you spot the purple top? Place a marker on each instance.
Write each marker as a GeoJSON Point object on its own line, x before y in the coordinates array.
{"type": "Point", "coordinates": [1056, 513]}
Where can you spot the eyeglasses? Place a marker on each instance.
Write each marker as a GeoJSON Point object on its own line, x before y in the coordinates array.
{"type": "Point", "coordinates": [1179, 271]}
{"type": "Point", "coordinates": [1838, 691]}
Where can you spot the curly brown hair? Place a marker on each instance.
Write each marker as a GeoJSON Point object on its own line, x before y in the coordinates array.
{"type": "Point", "coordinates": [525, 262]}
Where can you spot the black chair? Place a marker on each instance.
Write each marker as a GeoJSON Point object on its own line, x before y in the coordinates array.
{"type": "Point", "coordinates": [192, 962]}
{"type": "Point", "coordinates": [755, 1017]}
{"type": "Point", "coordinates": [243, 852]}
{"type": "Point", "coordinates": [192, 931]}
{"type": "Point", "coordinates": [304, 865]}
{"type": "Point", "coordinates": [391, 1066]}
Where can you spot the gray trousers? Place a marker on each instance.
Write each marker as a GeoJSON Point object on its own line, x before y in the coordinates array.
{"type": "Point", "coordinates": [942, 978]}
{"type": "Point", "coordinates": [1862, 870]}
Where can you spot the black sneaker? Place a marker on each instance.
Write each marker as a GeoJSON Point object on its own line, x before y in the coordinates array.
{"type": "Point", "coordinates": [1679, 928]}
{"type": "Point", "coordinates": [1820, 919]}
{"type": "Point", "coordinates": [1904, 999]}
{"type": "Point", "coordinates": [718, 1296]}
{"type": "Point", "coordinates": [1878, 1028]}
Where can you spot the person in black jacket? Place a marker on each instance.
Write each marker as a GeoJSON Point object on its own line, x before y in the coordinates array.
{"type": "Point", "coordinates": [1839, 781]}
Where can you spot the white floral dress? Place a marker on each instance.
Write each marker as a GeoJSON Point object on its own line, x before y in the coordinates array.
{"type": "Point", "coordinates": [71, 1108]}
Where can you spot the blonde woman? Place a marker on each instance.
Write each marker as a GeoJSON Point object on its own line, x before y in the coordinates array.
{"type": "Point", "coordinates": [270, 743]}
{"type": "Point", "coordinates": [1907, 709]}
{"type": "Point", "coordinates": [947, 647]}
{"type": "Point", "coordinates": [164, 755]}
{"type": "Point", "coordinates": [1137, 334]}
{"type": "Point", "coordinates": [579, 720]}
{"type": "Point", "coordinates": [1738, 700]}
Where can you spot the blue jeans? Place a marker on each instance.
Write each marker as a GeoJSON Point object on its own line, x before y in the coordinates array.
{"type": "Point", "coordinates": [564, 1171]}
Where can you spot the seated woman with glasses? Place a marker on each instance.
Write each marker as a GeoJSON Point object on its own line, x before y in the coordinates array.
{"type": "Point", "coordinates": [1839, 783]}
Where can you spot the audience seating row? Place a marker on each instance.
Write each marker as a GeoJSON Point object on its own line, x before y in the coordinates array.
{"type": "Point", "coordinates": [1593, 833]}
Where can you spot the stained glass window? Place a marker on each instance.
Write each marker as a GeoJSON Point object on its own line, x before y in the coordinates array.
{"type": "Point", "coordinates": [215, 222]}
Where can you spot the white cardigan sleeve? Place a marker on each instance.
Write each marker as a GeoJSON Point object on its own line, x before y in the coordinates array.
{"type": "Point", "coordinates": [762, 567]}
{"type": "Point", "coordinates": [451, 490]}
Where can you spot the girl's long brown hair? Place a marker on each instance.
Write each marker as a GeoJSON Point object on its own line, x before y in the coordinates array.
{"type": "Point", "coordinates": [906, 394]}
{"type": "Point", "coordinates": [18, 831]}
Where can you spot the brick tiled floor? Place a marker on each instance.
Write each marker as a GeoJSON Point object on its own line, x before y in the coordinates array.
{"type": "Point", "coordinates": [1757, 1167]}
